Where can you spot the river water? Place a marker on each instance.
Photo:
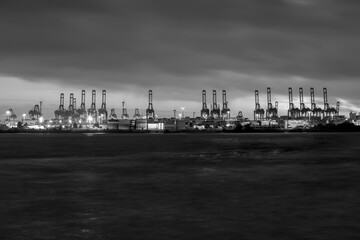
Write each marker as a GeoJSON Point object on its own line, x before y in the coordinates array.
{"type": "Point", "coordinates": [180, 186]}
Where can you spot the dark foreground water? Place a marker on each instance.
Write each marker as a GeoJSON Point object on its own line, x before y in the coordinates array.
{"type": "Point", "coordinates": [180, 186]}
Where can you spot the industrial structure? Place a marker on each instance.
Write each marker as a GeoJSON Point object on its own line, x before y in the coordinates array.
{"type": "Point", "coordinates": [150, 113]}
{"type": "Point", "coordinates": [71, 109]}
{"type": "Point", "coordinates": [258, 112]}
{"type": "Point", "coordinates": [305, 111]}
{"type": "Point", "coordinates": [215, 108]}
{"type": "Point", "coordinates": [124, 115]}
{"type": "Point", "coordinates": [204, 111]}
{"type": "Point", "coordinates": [329, 111]}
{"type": "Point", "coordinates": [225, 112]}
{"type": "Point", "coordinates": [92, 113]}
{"type": "Point", "coordinates": [137, 114]}
{"type": "Point", "coordinates": [82, 110]}
{"type": "Point", "coordinates": [316, 111]}
{"type": "Point", "coordinates": [60, 112]}
{"type": "Point", "coordinates": [337, 108]}
{"type": "Point", "coordinates": [240, 116]}
{"type": "Point", "coordinates": [10, 115]}
{"type": "Point", "coordinates": [103, 111]}
{"type": "Point", "coordinates": [271, 111]}
{"type": "Point", "coordinates": [293, 112]}
{"type": "Point", "coordinates": [71, 104]}
{"type": "Point", "coordinates": [301, 115]}
{"type": "Point", "coordinates": [36, 112]}
{"type": "Point", "coordinates": [112, 115]}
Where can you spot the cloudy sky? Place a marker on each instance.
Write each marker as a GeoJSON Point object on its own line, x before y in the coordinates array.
{"type": "Point", "coordinates": [177, 48]}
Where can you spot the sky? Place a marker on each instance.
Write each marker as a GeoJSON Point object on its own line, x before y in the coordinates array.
{"type": "Point", "coordinates": [177, 49]}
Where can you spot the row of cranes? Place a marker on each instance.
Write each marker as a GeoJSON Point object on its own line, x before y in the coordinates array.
{"type": "Point", "coordinates": [92, 114]}
{"type": "Point", "coordinates": [214, 112]}
{"type": "Point", "coordinates": [314, 110]}
{"type": "Point", "coordinates": [72, 113]}
{"type": "Point", "coordinates": [34, 114]}
{"type": "Point", "coordinates": [271, 113]}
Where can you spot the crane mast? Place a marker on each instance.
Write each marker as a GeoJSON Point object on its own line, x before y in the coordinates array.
{"type": "Point", "coordinates": [225, 111]}
{"type": "Point", "coordinates": [71, 103]}
{"type": "Point", "coordinates": [137, 113]}
{"type": "Point", "coordinates": [82, 106]}
{"type": "Point", "coordinates": [301, 94]}
{"type": "Point", "coordinates": [61, 106]}
{"type": "Point", "coordinates": [93, 99]}
{"type": "Point", "coordinates": [204, 111]}
{"type": "Point", "coordinates": [337, 108]}
{"type": "Point", "coordinates": [312, 98]}
{"type": "Point", "coordinates": [271, 111]}
{"type": "Point", "coordinates": [215, 112]}
{"type": "Point", "coordinates": [92, 113]}
{"type": "Point", "coordinates": [258, 112]}
{"type": "Point", "coordinates": [326, 104]}
{"type": "Point", "coordinates": [103, 111]}
{"type": "Point", "coordinates": [103, 100]}
{"type": "Point", "coordinates": [150, 113]}
{"type": "Point", "coordinates": [269, 104]}
{"type": "Point", "coordinates": [291, 103]}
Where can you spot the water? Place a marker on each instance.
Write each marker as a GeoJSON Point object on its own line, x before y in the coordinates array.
{"type": "Point", "coordinates": [180, 186]}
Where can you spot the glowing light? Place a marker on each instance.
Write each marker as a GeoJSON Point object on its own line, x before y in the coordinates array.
{"type": "Point", "coordinates": [182, 114]}
{"type": "Point", "coordinates": [90, 119]}
{"type": "Point", "coordinates": [41, 120]}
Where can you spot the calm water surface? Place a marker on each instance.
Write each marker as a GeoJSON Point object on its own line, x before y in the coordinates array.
{"type": "Point", "coordinates": [180, 186]}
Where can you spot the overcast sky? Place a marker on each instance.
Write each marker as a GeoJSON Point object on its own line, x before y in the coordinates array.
{"type": "Point", "coordinates": [177, 48]}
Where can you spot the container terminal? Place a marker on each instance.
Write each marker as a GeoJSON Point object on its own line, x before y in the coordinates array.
{"type": "Point", "coordinates": [215, 117]}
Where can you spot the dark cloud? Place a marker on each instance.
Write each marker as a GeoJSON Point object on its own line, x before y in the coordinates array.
{"type": "Point", "coordinates": [183, 44]}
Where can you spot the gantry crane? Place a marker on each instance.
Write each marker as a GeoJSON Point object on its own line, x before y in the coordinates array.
{"type": "Point", "coordinates": [258, 112]}
{"type": "Point", "coordinates": [82, 110]}
{"type": "Point", "coordinates": [304, 111]}
{"type": "Point", "coordinates": [36, 112]}
{"type": "Point", "coordinates": [215, 109]}
{"type": "Point", "coordinates": [293, 112]}
{"type": "Point", "coordinates": [329, 111]}
{"type": "Point", "coordinates": [225, 112]}
{"type": "Point", "coordinates": [103, 111]}
{"type": "Point", "coordinates": [271, 111]}
{"type": "Point", "coordinates": [150, 113]}
{"type": "Point", "coordinates": [92, 113]}
{"type": "Point", "coordinates": [204, 111]}
{"type": "Point", "coordinates": [60, 112]}
{"type": "Point", "coordinates": [112, 115]}
{"type": "Point", "coordinates": [124, 111]}
{"type": "Point", "coordinates": [316, 111]}
{"type": "Point", "coordinates": [137, 113]}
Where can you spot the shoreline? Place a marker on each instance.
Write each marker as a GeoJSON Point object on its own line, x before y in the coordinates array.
{"type": "Point", "coordinates": [100, 131]}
